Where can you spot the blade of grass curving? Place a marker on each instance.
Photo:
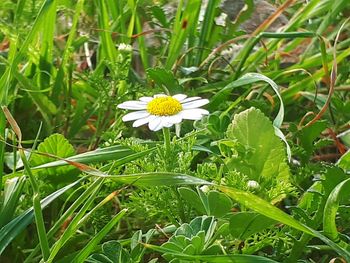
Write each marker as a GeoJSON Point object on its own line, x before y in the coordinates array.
{"type": "Point", "coordinates": [11, 230]}
{"type": "Point", "coordinates": [85, 252]}
{"type": "Point", "coordinates": [246, 79]}
{"type": "Point", "coordinates": [211, 258]}
{"type": "Point", "coordinates": [14, 58]}
{"type": "Point", "coordinates": [261, 206]}
{"type": "Point", "coordinates": [330, 212]}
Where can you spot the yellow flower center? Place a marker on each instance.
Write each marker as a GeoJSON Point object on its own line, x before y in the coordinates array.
{"type": "Point", "coordinates": [164, 106]}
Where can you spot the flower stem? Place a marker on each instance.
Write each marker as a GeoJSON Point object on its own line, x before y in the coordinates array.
{"type": "Point", "coordinates": [166, 133]}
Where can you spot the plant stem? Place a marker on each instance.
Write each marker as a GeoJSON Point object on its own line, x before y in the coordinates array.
{"type": "Point", "coordinates": [166, 133]}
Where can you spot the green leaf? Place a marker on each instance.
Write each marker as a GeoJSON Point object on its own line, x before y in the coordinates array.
{"type": "Point", "coordinates": [116, 153]}
{"type": "Point", "coordinates": [112, 252]}
{"type": "Point", "coordinates": [55, 145]}
{"type": "Point", "coordinates": [192, 198]}
{"type": "Point", "coordinates": [330, 211]}
{"type": "Point", "coordinates": [185, 23]}
{"type": "Point", "coordinates": [219, 204]}
{"type": "Point", "coordinates": [264, 208]}
{"type": "Point", "coordinates": [245, 224]}
{"type": "Point", "coordinates": [309, 134]}
{"type": "Point", "coordinates": [344, 161]}
{"type": "Point", "coordinates": [157, 179]}
{"type": "Point", "coordinates": [263, 157]}
{"type": "Point", "coordinates": [211, 258]}
{"type": "Point", "coordinates": [164, 78]}
{"type": "Point", "coordinates": [12, 192]}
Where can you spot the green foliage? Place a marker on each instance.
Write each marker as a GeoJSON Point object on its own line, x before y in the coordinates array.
{"type": "Point", "coordinates": [263, 178]}
{"type": "Point", "coordinates": [258, 153]}
{"type": "Point", "coordinates": [55, 145]}
{"type": "Point", "coordinates": [193, 238]}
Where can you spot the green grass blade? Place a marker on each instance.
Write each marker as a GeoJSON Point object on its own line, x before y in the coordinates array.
{"type": "Point", "coordinates": [182, 26]}
{"type": "Point", "coordinates": [331, 208]}
{"type": "Point", "coordinates": [259, 205]}
{"type": "Point", "coordinates": [158, 179]}
{"type": "Point", "coordinates": [17, 225]}
{"type": "Point", "coordinates": [85, 252]}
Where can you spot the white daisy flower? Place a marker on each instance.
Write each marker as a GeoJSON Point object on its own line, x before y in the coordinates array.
{"type": "Point", "coordinates": [162, 111]}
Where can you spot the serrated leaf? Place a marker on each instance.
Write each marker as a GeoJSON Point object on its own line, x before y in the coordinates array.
{"type": "Point", "coordinates": [264, 158]}
{"type": "Point", "coordinates": [56, 145]}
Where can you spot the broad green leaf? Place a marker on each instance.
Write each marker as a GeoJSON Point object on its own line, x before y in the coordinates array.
{"type": "Point", "coordinates": [245, 224]}
{"type": "Point", "coordinates": [59, 146]}
{"type": "Point", "coordinates": [56, 145]}
{"type": "Point", "coordinates": [263, 157]}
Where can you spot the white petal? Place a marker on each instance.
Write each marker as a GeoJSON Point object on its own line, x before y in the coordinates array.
{"type": "Point", "coordinates": [146, 99]}
{"type": "Point", "coordinates": [190, 99]}
{"type": "Point", "coordinates": [180, 97]}
{"type": "Point", "coordinates": [143, 121]}
{"type": "Point", "coordinates": [193, 114]}
{"type": "Point", "coordinates": [135, 115]}
{"type": "Point", "coordinates": [155, 124]}
{"type": "Point", "coordinates": [175, 119]}
{"type": "Point", "coordinates": [194, 104]}
{"type": "Point", "coordinates": [166, 122]}
{"type": "Point", "coordinates": [133, 105]}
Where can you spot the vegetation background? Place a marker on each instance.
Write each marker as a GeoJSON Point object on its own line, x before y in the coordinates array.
{"type": "Point", "coordinates": [263, 178]}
